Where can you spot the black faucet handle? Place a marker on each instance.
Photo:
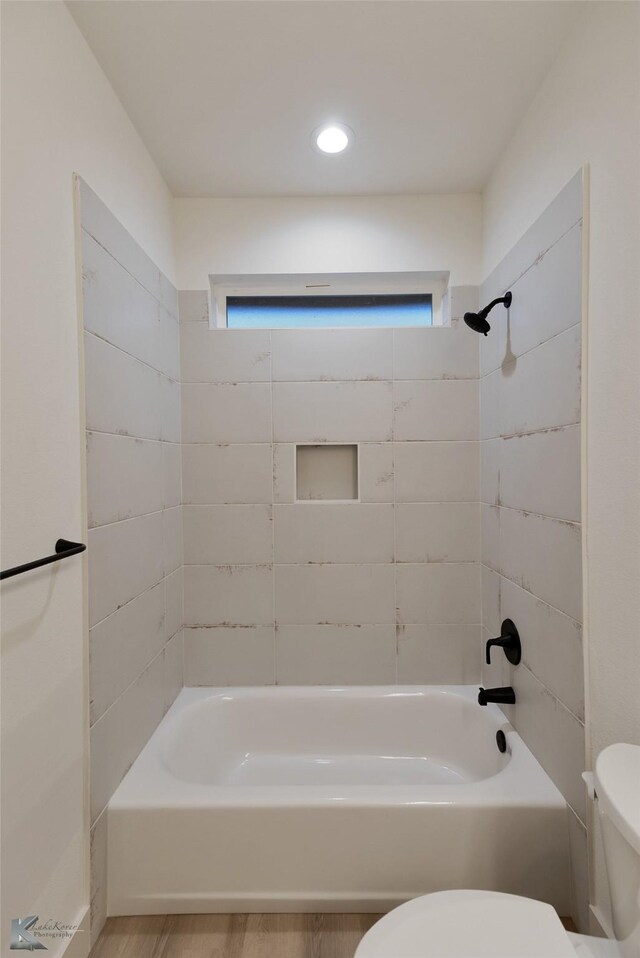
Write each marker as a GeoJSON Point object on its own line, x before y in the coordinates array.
{"type": "Point", "coordinates": [509, 641]}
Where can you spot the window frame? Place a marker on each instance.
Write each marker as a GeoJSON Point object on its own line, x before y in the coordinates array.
{"type": "Point", "coordinates": [326, 284]}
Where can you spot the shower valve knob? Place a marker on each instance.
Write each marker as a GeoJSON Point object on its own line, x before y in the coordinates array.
{"type": "Point", "coordinates": [508, 641]}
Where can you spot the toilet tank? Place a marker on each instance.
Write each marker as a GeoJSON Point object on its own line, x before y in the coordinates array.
{"type": "Point", "coordinates": [617, 782]}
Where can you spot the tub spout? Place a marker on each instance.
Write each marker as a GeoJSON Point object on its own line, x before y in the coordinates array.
{"type": "Point", "coordinates": [505, 696]}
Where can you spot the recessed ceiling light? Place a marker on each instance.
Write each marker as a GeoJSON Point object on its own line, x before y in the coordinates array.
{"type": "Point", "coordinates": [332, 138]}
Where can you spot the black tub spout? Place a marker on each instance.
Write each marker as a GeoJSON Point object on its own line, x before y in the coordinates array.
{"type": "Point", "coordinates": [504, 696]}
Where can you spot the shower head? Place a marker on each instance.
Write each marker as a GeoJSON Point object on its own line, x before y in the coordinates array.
{"type": "Point", "coordinates": [478, 321]}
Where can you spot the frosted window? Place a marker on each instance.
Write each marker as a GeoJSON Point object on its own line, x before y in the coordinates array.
{"type": "Point", "coordinates": [312, 312]}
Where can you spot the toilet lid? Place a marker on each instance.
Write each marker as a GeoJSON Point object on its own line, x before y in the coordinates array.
{"type": "Point", "coordinates": [468, 924]}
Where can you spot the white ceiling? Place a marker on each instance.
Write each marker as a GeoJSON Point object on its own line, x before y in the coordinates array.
{"type": "Point", "coordinates": [225, 93]}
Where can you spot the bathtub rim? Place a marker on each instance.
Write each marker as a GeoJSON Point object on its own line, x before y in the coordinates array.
{"type": "Point", "coordinates": [150, 785]}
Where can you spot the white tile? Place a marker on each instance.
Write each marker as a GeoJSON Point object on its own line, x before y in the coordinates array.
{"type": "Point", "coordinates": [547, 299]}
{"type": "Point", "coordinates": [193, 305]}
{"type": "Point", "coordinates": [436, 471]}
{"type": "Point", "coordinates": [100, 222]}
{"type": "Point", "coordinates": [172, 535]}
{"type": "Point", "coordinates": [168, 296]}
{"type": "Point", "coordinates": [438, 654]}
{"type": "Point", "coordinates": [375, 471]}
{"type": "Point", "coordinates": [492, 346]}
{"type": "Point", "coordinates": [217, 474]}
{"type": "Point", "coordinates": [122, 394]}
{"type": "Point", "coordinates": [121, 647]}
{"type": "Point", "coordinates": [125, 559]}
{"type": "Point", "coordinates": [579, 873]}
{"type": "Point", "coordinates": [173, 602]}
{"type": "Point", "coordinates": [544, 557]}
{"type": "Point", "coordinates": [490, 536]}
{"type": "Point", "coordinates": [490, 471]}
{"type": "Point", "coordinates": [438, 593]}
{"type": "Point", "coordinates": [223, 656]}
{"type": "Point", "coordinates": [304, 355]}
{"type": "Point", "coordinates": [124, 477]}
{"type": "Point", "coordinates": [334, 654]}
{"type": "Point", "coordinates": [309, 532]}
{"type": "Point", "coordinates": [172, 670]}
{"type": "Point", "coordinates": [463, 299]}
{"type": "Point", "coordinates": [490, 405]}
{"type": "Point", "coordinates": [558, 218]}
{"type": "Point", "coordinates": [551, 644]}
{"type": "Point", "coordinates": [228, 534]}
{"type": "Point", "coordinates": [444, 410]}
{"type": "Point", "coordinates": [437, 352]}
{"type": "Point", "coordinates": [228, 595]}
{"type": "Point", "coordinates": [116, 307]}
{"type": "Point", "coordinates": [438, 532]}
{"type": "Point", "coordinates": [541, 389]}
{"type": "Point", "coordinates": [226, 413]}
{"type": "Point", "coordinates": [541, 473]}
{"type": "Point", "coordinates": [332, 412]}
{"type": "Point", "coordinates": [490, 595]}
{"type": "Point", "coordinates": [169, 344]}
{"type": "Point", "coordinates": [171, 474]}
{"type": "Point", "coordinates": [224, 355]}
{"type": "Point", "coordinates": [554, 735]}
{"type": "Point", "coordinates": [284, 472]}
{"type": "Point", "coordinates": [334, 594]}
{"type": "Point", "coordinates": [171, 427]}
{"type": "Point", "coordinates": [119, 735]}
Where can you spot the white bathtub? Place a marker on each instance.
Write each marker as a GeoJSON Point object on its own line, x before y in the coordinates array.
{"type": "Point", "coordinates": [331, 799]}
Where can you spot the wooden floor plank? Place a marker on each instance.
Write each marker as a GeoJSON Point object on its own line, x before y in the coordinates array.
{"type": "Point", "coordinates": [237, 936]}
{"type": "Point", "coordinates": [233, 936]}
{"type": "Point", "coordinates": [140, 936]}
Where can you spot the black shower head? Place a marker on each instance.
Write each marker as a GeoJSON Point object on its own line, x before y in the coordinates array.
{"type": "Point", "coordinates": [478, 321]}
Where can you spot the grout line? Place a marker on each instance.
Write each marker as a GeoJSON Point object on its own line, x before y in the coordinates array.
{"type": "Point", "coordinates": [85, 229]}
{"type": "Point", "coordinates": [530, 432]}
{"type": "Point", "coordinates": [304, 565]}
{"type": "Point", "coordinates": [538, 515]}
{"type": "Point", "coordinates": [324, 382]}
{"type": "Point", "coordinates": [532, 349]}
{"type": "Point", "coordinates": [539, 256]}
{"type": "Point", "coordinates": [554, 695]}
{"type": "Point", "coordinates": [533, 594]}
{"type": "Point", "coordinates": [142, 515]}
{"type": "Point", "coordinates": [136, 359]}
{"type": "Point", "coordinates": [133, 599]}
{"type": "Point", "coordinates": [273, 514]}
{"type": "Point", "coordinates": [133, 682]}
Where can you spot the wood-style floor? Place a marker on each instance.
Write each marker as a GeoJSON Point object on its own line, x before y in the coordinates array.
{"type": "Point", "coordinates": [236, 936]}
{"type": "Point", "coordinates": [232, 936]}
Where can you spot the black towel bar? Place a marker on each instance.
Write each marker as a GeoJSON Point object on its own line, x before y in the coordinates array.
{"type": "Point", "coordinates": [64, 548]}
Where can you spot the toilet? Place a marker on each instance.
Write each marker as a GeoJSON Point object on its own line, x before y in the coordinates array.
{"type": "Point", "coordinates": [486, 924]}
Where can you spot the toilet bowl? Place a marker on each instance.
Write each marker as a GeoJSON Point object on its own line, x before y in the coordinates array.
{"type": "Point", "coordinates": [484, 924]}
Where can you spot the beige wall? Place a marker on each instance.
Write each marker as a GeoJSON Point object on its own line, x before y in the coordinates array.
{"type": "Point", "coordinates": [328, 234]}
{"type": "Point", "coordinates": [588, 112]}
{"type": "Point", "coordinates": [59, 116]}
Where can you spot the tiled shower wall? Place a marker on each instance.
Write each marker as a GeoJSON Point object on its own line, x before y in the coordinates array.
{"type": "Point", "coordinates": [380, 590]}
{"type": "Point", "coordinates": [531, 534]}
{"type": "Point", "coordinates": [132, 368]}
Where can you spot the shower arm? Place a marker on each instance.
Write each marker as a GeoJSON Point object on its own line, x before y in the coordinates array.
{"type": "Point", "coordinates": [506, 299]}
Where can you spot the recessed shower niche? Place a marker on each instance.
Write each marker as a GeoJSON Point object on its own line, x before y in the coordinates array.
{"type": "Point", "coordinates": [326, 472]}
